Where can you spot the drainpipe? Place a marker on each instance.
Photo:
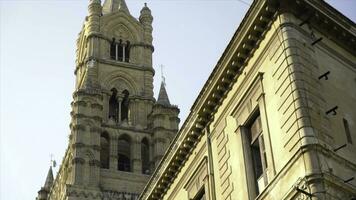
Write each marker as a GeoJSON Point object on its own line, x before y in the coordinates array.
{"type": "Point", "coordinates": [210, 163]}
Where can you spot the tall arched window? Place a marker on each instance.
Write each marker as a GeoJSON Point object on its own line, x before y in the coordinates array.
{"type": "Point", "coordinates": [145, 156]}
{"type": "Point", "coordinates": [113, 106]}
{"type": "Point", "coordinates": [124, 154]}
{"type": "Point", "coordinates": [127, 51]}
{"type": "Point", "coordinates": [113, 49]}
{"type": "Point", "coordinates": [120, 50]}
{"type": "Point", "coordinates": [125, 106]}
{"type": "Point", "coordinates": [104, 150]}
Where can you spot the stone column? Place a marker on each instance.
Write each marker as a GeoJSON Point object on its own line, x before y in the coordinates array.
{"type": "Point", "coordinates": [136, 156]}
{"type": "Point", "coordinates": [119, 100]}
{"type": "Point", "coordinates": [105, 116]}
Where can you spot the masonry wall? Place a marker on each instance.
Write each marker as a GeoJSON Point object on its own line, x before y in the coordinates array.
{"type": "Point", "coordinates": [282, 81]}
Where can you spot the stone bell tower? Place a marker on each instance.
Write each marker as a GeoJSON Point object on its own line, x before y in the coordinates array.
{"type": "Point", "coordinates": [119, 132]}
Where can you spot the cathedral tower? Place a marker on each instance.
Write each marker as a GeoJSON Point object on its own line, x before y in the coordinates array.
{"type": "Point", "coordinates": [119, 132]}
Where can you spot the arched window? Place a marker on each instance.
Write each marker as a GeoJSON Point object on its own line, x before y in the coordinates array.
{"type": "Point", "coordinates": [127, 51]}
{"type": "Point", "coordinates": [125, 106]}
{"type": "Point", "coordinates": [120, 51]}
{"type": "Point", "coordinates": [113, 49]}
{"type": "Point", "coordinates": [124, 154]}
{"type": "Point", "coordinates": [145, 156]}
{"type": "Point", "coordinates": [104, 150]}
{"type": "Point", "coordinates": [113, 106]}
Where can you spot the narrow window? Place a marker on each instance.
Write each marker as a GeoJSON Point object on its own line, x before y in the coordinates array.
{"type": "Point", "coordinates": [113, 49]}
{"type": "Point", "coordinates": [104, 151]}
{"type": "Point", "coordinates": [113, 106]}
{"type": "Point", "coordinates": [258, 153]}
{"type": "Point", "coordinates": [145, 156]}
{"type": "Point", "coordinates": [201, 195]}
{"type": "Point", "coordinates": [124, 154]}
{"type": "Point", "coordinates": [347, 131]}
{"type": "Point", "coordinates": [125, 106]}
{"type": "Point", "coordinates": [127, 51]}
{"type": "Point", "coordinates": [120, 51]}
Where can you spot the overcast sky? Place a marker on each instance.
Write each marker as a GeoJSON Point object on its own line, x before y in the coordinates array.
{"type": "Point", "coordinates": [37, 60]}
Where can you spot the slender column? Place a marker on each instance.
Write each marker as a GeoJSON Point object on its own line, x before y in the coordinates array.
{"type": "Point", "coordinates": [136, 161]}
{"type": "Point", "coordinates": [119, 100]}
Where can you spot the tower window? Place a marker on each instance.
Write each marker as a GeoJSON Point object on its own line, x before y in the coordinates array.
{"type": "Point", "coordinates": [347, 131]}
{"type": "Point", "coordinates": [124, 154]}
{"type": "Point", "coordinates": [145, 156]}
{"type": "Point", "coordinates": [104, 151]}
{"type": "Point", "coordinates": [120, 51]}
{"type": "Point", "coordinates": [113, 106]}
{"type": "Point", "coordinates": [125, 106]}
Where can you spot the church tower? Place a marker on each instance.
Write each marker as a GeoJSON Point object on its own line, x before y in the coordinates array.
{"type": "Point", "coordinates": [119, 132]}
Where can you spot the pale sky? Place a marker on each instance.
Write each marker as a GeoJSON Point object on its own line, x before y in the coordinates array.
{"type": "Point", "coordinates": [37, 61]}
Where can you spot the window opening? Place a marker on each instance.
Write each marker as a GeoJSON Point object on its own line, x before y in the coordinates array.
{"type": "Point", "coordinates": [104, 151]}
{"type": "Point", "coordinates": [124, 154]}
{"type": "Point", "coordinates": [125, 106]}
{"type": "Point", "coordinates": [347, 131]}
{"type": "Point", "coordinates": [145, 156]}
{"type": "Point", "coordinates": [201, 195]}
{"type": "Point", "coordinates": [120, 51]}
{"type": "Point", "coordinates": [127, 51]}
{"type": "Point", "coordinates": [113, 49]}
{"type": "Point", "coordinates": [113, 106]}
{"type": "Point", "coordinates": [258, 153]}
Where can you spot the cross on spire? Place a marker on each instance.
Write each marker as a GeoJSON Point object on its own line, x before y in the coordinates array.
{"type": "Point", "coordinates": [162, 75]}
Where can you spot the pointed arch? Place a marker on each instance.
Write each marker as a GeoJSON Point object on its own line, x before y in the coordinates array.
{"type": "Point", "coordinates": [120, 81]}
{"type": "Point", "coordinates": [124, 153]}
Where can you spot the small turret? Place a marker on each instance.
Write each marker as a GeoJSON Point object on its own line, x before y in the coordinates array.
{"type": "Point", "coordinates": [146, 16]}
{"type": "Point", "coordinates": [164, 122]}
{"type": "Point", "coordinates": [94, 13]}
{"type": "Point", "coordinates": [43, 193]}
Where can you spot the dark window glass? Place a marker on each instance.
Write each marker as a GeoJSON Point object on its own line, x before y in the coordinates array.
{"type": "Point", "coordinates": [113, 106]}
{"type": "Point", "coordinates": [127, 51]}
{"type": "Point", "coordinates": [145, 156]}
{"type": "Point", "coordinates": [347, 131]}
{"type": "Point", "coordinates": [113, 49]}
{"type": "Point", "coordinates": [124, 154]}
{"type": "Point", "coordinates": [125, 106]}
{"type": "Point", "coordinates": [104, 151]}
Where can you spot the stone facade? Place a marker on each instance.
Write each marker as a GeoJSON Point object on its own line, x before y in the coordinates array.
{"type": "Point", "coordinates": [276, 120]}
{"type": "Point", "coordinates": [119, 132]}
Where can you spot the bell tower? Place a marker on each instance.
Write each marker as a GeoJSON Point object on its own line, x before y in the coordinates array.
{"type": "Point", "coordinates": [118, 131]}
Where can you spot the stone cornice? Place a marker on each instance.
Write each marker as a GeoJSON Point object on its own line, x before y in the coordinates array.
{"type": "Point", "coordinates": [115, 63]}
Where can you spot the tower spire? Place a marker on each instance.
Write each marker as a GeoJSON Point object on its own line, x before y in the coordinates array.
{"type": "Point", "coordinates": [163, 96]}
{"type": "Point", "coordinates": [49, 179]}
{"type": "Point", "coordinates": [114, 5]}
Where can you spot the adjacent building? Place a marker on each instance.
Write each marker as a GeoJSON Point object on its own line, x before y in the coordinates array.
{"type": "Point", "coordinates": [119, 131]}
{"type": "Point", "coordinates": [276, 118]}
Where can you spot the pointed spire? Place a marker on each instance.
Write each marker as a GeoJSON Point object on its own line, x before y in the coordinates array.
{"type": "Point", "coordinates": [114, 5]}
{"type": "Point", "coordinates": [163, 96]}
{"type": "Point", "coordinates": [49, 179]}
